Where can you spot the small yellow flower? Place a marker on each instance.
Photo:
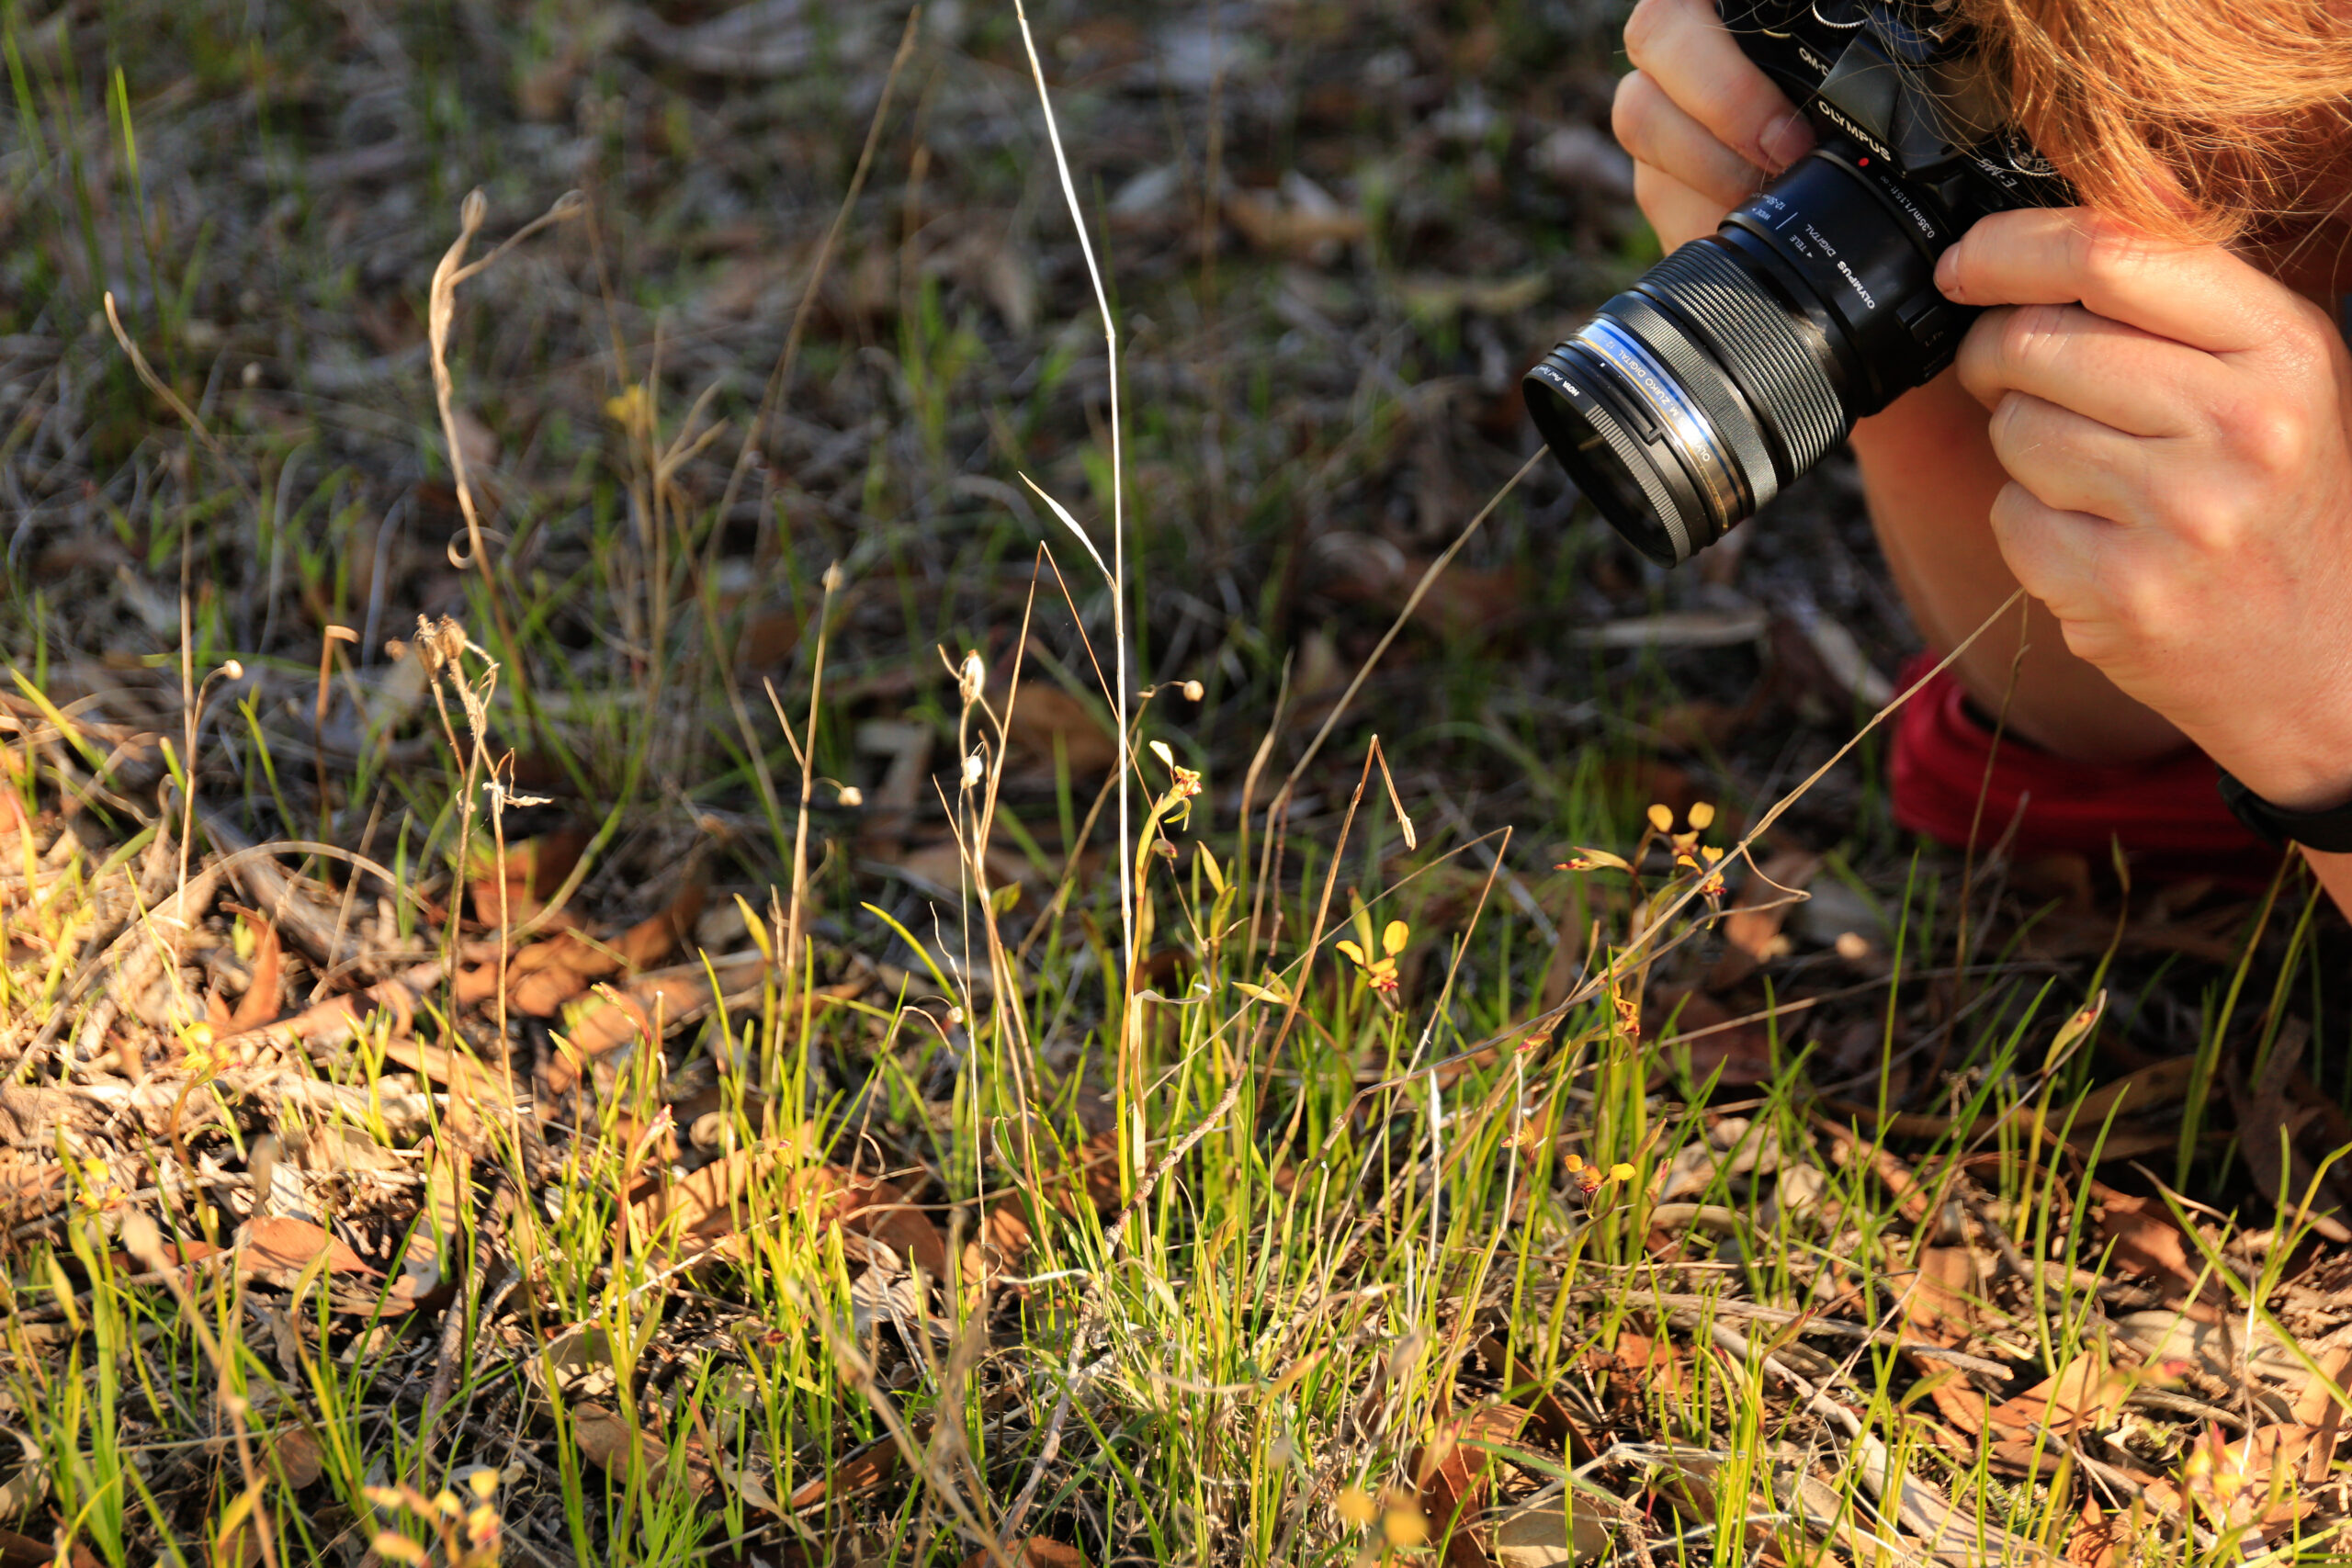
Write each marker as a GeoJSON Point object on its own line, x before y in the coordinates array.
{"type": "Point", "coordinates": [1379, 973]}
{"type": "Point", "coordinates": [1178, 802]}
{"type": "Point", "coordinates": [1591, 1179]}
{"type": "Point", "coordinates": [1661, 816]}
{"type": "Point", "coordinates": [1402, 1522]}
{"type": "Point", "coordinates": [632, 409]}
{"type": "Point", "coordinates": [1358, 1506]}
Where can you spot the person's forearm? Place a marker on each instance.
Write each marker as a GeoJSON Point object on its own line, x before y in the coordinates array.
{"type": "Point", "coordinates": [2334, 873]}
{"type": "Point", "coordinates": [1930, 476]}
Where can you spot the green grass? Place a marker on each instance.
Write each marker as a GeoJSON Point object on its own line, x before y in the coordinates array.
{"type": "Point", "coordinates": [1292, 1227]}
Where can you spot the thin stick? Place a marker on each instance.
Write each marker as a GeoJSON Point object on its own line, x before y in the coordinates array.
{"type": "Point", "coordinates": [782, 375]}
{"type": "Point", "coordinates": [1118, 602]}
{"type": "Point", "coordinates": [1637, 952]}
{"type": "Point", "coordinates": [1363, 672]}
{"type": "Point", "coordinates": [1412, 603]}
{"type": "Point", "coordinates": [807, 755]}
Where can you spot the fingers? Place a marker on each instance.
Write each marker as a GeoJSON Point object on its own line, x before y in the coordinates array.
{"type": "Point", "coordinates": [2056, 557]}
{"type": "Point", "coordinates": [1678, 213]}
{"type": "Point", "coordinates": [2201, 296]}
{"type": "Point", "coordinates": [2124, 378]}
{"type": "Point", "coordinates": [1660, 135]}
{"type": "Point", "coordinates": [1682, 47]}
{"type": "Point", "coordinates": [2072, 464]}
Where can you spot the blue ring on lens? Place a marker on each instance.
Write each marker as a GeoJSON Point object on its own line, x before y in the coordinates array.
{"type": "Point", "coordinates": [1695, 438]}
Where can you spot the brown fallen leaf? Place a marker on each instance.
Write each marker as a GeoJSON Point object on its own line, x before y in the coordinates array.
{"type": "Point", "coordinates": [610, 1442]}
{"type": "Point", "coordinates": [2146, 1240]}
{"type": "Point", "coordinates": [1034, 1551]}
{"type": "Point", "coordinates": [2268, 1122]}
{"type": "Point", "coordinates": [1000, 1245]}
{"type": "Point", "coordinates": [613, 1017]}
{"type": "Point", "coordinates": [2085, 1395]}
{"type": "Point", "coordinates": [2251, 1481]}
{"type": "Point", "coordinates": [1461, 601]}
{"type": "Point", "coordinates": [277, 1248]}
{"type": "Point", "coordinates": [544, 976]}
{"type": "Point", "coordinates": [476, 1090]}
{"type": "Point", "coordinates": [1751, 930]}
{"type": "Point", "coordinates": [1548, 1415]}
{"type": "Point", "coordinates": [699, 1212]}
{"type": "Point", "coordinates": [1089, 1176]}
{"type": "Point", "coordinates": [294, 1455]}
{"type": "Point", "coordinates": [1937, 1301]}
{"type": "Point", "coordinates": [1545, 1535]}
{"type": "Point", "coordinates": [1300, 219]}
{"type": "Point", "coordinates": [2098, 1539]}
{"type": "Point", "coordinates": [1456, 1475]}
{"type": "Point", "coordinates": [179, 1257]}
{"type": "Point", "coordinates": [1707, 1039]}
{"type": "Point", "coordinates": [336, 1019]}
{"type": "Point", "coordinates": [259, 1004]}
{"type": "Point", "coordinates": [859, 1472]}
{"type": "Point", "coordinates": [518, 886]}
{"type": "Point", "coordinates": [767, 641]}
{"type": "Point", "coordinates": [1047, 726]}
{"type": "Point", "coordinates": [1653, 1363]}
{"type": "Point", "coordinates": [866, 1205]}
{"type": "Point", "coordinates": [939, 867]}
{"type": "Point", "coordinates": [24, 1552]}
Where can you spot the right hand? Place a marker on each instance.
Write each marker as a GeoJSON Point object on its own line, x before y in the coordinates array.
{"type": "Point", "coordinates": [1706, 128]}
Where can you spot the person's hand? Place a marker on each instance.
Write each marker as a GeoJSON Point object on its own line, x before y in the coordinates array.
{"type": "Point", "coordinates": [2177, 426]}
{"type": "Point", "coordinates": [1706, 129]}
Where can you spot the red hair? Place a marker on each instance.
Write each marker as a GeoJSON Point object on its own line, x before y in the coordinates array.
{"type": "Point", "coordinates": [2215, 120]}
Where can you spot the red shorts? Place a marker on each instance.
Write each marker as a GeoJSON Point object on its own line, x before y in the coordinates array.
{"type": "Point", "coordinates": [2167, 814]}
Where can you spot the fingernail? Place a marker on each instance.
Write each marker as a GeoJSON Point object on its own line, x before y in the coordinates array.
{"type": "Point", "coordinates": [1948, 275]}
{"type": "Point", "coordinates": [1789, 141]}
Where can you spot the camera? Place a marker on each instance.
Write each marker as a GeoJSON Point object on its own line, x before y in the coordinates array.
{"type": "Point", "coordinates": [1733, 365]}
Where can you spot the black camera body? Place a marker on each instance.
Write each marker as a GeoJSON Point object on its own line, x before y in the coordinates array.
{"type": "Point", "coordinates": [1734, 365]}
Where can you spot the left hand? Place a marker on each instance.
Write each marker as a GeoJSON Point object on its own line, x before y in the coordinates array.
{"type": "Point", "coordinates": [2177, 426]}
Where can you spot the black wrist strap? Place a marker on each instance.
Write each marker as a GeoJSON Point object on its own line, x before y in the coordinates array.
{"type": "Point", "coordinates": [2328, 832]}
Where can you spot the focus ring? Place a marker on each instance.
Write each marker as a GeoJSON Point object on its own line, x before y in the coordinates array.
{"type": "Point", "coordinates": [1704, 380]}
{"type": "Point", "coordinates": [1784, 375]}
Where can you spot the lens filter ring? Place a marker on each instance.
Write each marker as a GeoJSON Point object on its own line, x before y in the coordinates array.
{"type": "Point", "coordinates": [1597, 434]}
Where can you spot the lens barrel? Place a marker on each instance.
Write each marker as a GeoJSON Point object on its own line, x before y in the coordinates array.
{"type": "Point", "coordinates": [1733, 365]}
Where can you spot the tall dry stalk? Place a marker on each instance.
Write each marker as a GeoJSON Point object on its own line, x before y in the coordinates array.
{"type": "Point", "coordinates": [1127, 1097]}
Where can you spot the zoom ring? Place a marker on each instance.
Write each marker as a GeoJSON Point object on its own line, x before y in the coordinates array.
{"type": "Point", "coordinates": [1782, 373]}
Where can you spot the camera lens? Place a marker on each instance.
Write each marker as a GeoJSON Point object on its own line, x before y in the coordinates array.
{"type": "Point", "coordinates": [1733, 365]}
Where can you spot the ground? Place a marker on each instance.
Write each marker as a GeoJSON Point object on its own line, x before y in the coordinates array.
{"type": "Point", "coordinates": [564, 960]}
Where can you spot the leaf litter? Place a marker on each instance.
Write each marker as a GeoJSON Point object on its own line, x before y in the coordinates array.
{"type": "Point", "coordinates": [440, 1056]}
